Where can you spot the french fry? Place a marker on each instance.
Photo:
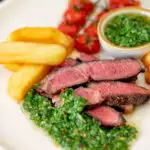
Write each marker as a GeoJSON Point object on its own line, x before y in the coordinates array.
{"type": "Point", "coordinates": [13, 67]}
{"type": "Point", "coordinates": [28, 75]}
{"type": "Point", "coordinates": [42, 35]}
{"type": "Point", "coordinates": [146, 59]}
{"type": "Point", "coordinates": [31, 53]}
{"type": "Point", "coordinates": [147, 76]}
{"type": "Point", "coordinates": [21, 81]}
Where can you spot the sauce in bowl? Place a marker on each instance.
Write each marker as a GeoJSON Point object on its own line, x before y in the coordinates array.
{"type": "Point", "coordinates": [128, 30]}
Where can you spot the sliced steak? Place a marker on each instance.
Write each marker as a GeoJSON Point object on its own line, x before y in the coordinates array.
{"type": "Point", "coordinates": [65, 77]}
{"type": "Point", "coordinates": [120, 93]}
{"type": "Point", "coordinates": [84, 72]}
{"type": "Point", "coordinates": [107, 116]}
{"type": "Point", "coordinates": [93, 97]}
{"type": "Point", "coordinates": [114, 69]}
{"type": "Point", "coordinates": [67, 62]}
{"type": "Point", "coordinates": [85, 57]}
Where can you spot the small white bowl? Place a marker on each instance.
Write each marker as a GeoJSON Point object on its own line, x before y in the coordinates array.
{"type": "Point", "coordinates": [113, 49]}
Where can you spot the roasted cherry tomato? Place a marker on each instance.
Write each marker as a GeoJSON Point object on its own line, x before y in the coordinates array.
{"type": "Point", "coordinates": [122, 3]}
{"type": "Point", "coordinates": [129, 2]}
{"type": "Point", "coordinates": [71, 30]}
{"type": "Point", "coordinates": [119, 2]}
{"type": "Point", "coordinates": [73, 16]}
{"type": "Point", "coordinates": [113, 4]}
{"type": "Point", "coordinates": [134, 3]}
{"type": "Point", "coordinates": [88, 7]}
{"type": "Point", "coordinates": [91, 31]}
{"type": "Point", "coordinates": [85, 5]}
{"type": "Point", "coordinates": [86, 44]}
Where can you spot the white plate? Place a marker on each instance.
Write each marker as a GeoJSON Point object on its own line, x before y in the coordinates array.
{"type": "Point", "coordinates": [16, 132]}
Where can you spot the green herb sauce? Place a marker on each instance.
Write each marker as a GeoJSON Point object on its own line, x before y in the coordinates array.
{"type": "Point", "coordinates": [128, 30]}
{"type": "Point", "coordinates": [71, 128]}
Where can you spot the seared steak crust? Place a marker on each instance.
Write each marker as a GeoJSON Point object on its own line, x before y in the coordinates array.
{"type": "Point", "coordinates": [135, 99]}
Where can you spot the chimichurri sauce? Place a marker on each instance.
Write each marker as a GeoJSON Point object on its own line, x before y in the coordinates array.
{"type": "Point", "coordinates": [128, 30]}
{"type": "Point", "coordinates": [71, 128]}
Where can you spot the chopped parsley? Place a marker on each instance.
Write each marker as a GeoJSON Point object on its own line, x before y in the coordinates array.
{"type": "Point", "coordinates": [128, 30]}
{"type": "Point", "coordinates": [71, 128]}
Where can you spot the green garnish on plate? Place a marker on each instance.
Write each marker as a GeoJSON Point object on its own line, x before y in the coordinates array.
{"type": "Point", "coordinates": [128, 30]}
{"type": "Point", "coordinates": [71, 128]}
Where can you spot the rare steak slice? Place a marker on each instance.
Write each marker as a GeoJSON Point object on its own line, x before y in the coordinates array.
{"type": "Point", "coordinates": [93, 97]}
{"type": "Point", "coordinates": [114, 69]}
{"type": "Point", "coordinates": [120, 93]}
{"type": "Point", "coordinates": [64, 78]}
{"type": "Point", "coordinates": [84, 72]}
{"type": "Point", "coordinates": [107, 116]}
